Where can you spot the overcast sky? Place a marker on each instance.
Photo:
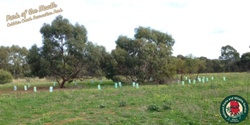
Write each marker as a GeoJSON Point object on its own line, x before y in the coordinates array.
{"type": "Point", "coordinates": [199, 27]}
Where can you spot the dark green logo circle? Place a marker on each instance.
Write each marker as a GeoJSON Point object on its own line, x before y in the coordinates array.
{"type": "Point", "coordinates": [234, 109]}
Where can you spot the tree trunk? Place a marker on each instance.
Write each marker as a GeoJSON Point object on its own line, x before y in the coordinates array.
{"type": "Point", "coordinates": [181, 77]}
{"type": "Point", "coordinates": [62, 83]}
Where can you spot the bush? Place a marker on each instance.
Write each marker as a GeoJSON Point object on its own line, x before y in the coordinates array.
{"type": "Point", "coordinates": [153, 108]}
{"type": "Point", "coordinates": [122, 104]}
{"type": "Point", "coordinates": [102, 106]}
{"type": "Point", "coordinates": [5, 77]}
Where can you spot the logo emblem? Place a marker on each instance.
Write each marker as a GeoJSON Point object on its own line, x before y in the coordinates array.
{"type": "Point", "coordinates": [234, 109]}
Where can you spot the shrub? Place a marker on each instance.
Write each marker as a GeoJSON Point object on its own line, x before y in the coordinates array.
{"type": "Point", "coordinates": [102, 106]}
{"type": "Point", "coordinates": [153, 108]}
{"type": "Point", "coordinates": [5, 77]}
{"type": "Point", "coordinates": [122, 104]}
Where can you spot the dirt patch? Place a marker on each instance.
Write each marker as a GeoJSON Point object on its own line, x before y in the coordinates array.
{"type": "Point", "coordinates": [65, 121]}
{"type": "Point", "coordinates": [70, 120]}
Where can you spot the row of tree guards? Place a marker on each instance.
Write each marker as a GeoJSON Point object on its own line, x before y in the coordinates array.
{"type": "Point", "coordinates": [203, 80]}
{"type": "Point", "coordinates": [119, 84]}
{"type": "Point", "coordinates": [136, 85]}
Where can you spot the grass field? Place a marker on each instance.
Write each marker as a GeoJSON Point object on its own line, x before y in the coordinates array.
{"type": "Point", "coordinates": [84, 104]}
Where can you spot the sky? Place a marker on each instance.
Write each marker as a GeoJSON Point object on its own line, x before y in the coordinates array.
{"type": "Point", "coordinates": [199, 27]}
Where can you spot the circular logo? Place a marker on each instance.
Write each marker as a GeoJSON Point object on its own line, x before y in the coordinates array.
{"type": "Point", "coordinates": [234, 109]}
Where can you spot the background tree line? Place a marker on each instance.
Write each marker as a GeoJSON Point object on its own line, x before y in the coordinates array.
{"type": "Point", "coordinates": [66, 54]}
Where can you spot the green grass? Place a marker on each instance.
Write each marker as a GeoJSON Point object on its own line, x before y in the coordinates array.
{"type": "Point", "coordinates": [175, 104]}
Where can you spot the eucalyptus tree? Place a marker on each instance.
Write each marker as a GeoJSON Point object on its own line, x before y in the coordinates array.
{"type": "Point", "coordinates": [145, 58]}
{"type": "Point", "coordinates": [229, 57]}
{"type": "Point", "coordinates": [66, 53]}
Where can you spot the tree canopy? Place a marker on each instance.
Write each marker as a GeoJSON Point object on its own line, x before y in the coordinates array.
{"type": "Point", "coordinates": [145, 58]}
{"type": "Point", "coordinates": [62, 51]}
{"type": "Point", "coordinates": [245, 61]}
{"type": "Point", "coordinates": [229, 57]}
{"type": "Point", "coordinates": [66, 53]}
{"type": "Point", "coordinates": [13, 59]}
